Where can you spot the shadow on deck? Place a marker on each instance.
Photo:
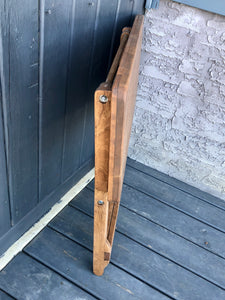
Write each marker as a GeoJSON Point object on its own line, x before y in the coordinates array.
{"type": "Point", "coordinates": [169, 244]}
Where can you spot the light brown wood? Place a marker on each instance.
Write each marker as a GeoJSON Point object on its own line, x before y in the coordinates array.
{"type": "Point", "coordinates": [113, 122]}
{"type": "Point", "coordinates": [102, 135]}
{"type": "Point", "coordinates": [123, 40]}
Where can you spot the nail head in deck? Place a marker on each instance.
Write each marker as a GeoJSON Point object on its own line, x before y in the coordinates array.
{"type": "Point", "coordinates": [48, 12]}
{"type": "Point", "coordinates": [103, 99]}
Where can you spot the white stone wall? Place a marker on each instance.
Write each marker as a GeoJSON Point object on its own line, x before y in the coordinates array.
{"type": "Point", "coordinates": [179, 123]}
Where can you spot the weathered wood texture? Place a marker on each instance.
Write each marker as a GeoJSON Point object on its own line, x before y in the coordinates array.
{"type": "Point", "coordinates": [113, 121]}
{"type": "Point", "coordinates": [123, 102]}
{"type": "Point", "coordinates": [53, 286]}
{"type": "Point", "coordinates": [53, 54]}
{"type": "Point", "coordinates": [4, 199]}
{"type": "Point", "coordinates": [154, 256]}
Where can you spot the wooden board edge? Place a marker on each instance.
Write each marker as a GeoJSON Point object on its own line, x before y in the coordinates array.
{"type": "Point", "coordinates": [27, 237]}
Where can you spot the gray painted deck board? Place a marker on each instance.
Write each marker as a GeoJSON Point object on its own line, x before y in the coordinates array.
{"type": "Point", "coordinates": [159, 252]}
{"type": "Point", "coordinates": [4, 296]}
{"type": "Point", "coordinates": [75, 263]}
{"type": "Point", "coordinates": [155, 237]}
{"type": "Point", "coordinates": [42, 282]}
{"type": "Point", "coordinates": [207, 213]}
{"type": "Point", "coordinates": [177, 183]}
{"type": "Point", "coordinates": [160, 213]}
{"type": "Point", "coordinates": [144, 263]}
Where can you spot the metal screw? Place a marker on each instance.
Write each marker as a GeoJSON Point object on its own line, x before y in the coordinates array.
{"type": "Point", "coordinates": [103, 99]}
{"type": "Point", "coordinates": [100, 202]}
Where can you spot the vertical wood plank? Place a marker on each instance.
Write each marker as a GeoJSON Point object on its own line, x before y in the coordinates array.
{"type": "Point", "coordinates": [77, 95]}
{"type": "Point", "coordinates": [124, 19]}
{"type": "Point", "coordinates": [5, 218]}
{"type": "Point", "coordinates": [104, 28]}
{"type": "Point", "coordinates": [4, 65]}
{"type": "Point", "coordinates": [4, 199]}
{"type": "Point", "coordinates": [138, 8]}
{"type": "Point", "coordinates": [21, 79]}
{"type": "Point", "coordinates": [56, 16]}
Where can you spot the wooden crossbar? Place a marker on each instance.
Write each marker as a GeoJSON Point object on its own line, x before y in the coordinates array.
{"type": "Point", "coordinates": [114, 107]}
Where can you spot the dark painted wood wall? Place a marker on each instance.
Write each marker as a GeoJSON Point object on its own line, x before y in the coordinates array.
{"type": "Point", "coordinates": [53, 54]}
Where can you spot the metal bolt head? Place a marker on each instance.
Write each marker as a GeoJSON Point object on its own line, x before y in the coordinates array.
{"type": "Point", "coordinates": [100, 202]}
{"type": "Point", "coordinates": [103, 99]}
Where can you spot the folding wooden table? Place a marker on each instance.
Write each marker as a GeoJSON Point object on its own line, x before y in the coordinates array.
{"type": "Point", "coordinates": [114, 107]}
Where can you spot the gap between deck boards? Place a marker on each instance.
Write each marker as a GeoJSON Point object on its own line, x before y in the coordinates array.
{"type": "Point", "coordinates": [26, 238]}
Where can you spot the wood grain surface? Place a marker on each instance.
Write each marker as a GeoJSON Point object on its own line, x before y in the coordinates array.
{"type": "Point", "coordinates": [113, 121]}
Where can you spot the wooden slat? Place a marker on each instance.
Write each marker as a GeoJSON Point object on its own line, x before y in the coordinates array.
{"type": "Point", "coordinates": [74, 262]}
{"type": "Point", "coordinates": [53, 81]}
{"type": "Point", "coordinates": [105, 21]}
{"type": "Point", "coordinates": [21, 106]}
{"type": "Point", "coordinates": [178, 199]}
{"type": "Point", "coordinates": [5, 221]}
{"type": "Point", "coordinates": [174, 220]}
{"type": "Point", "coordinates": [113, 122]}
{"type": "Point", "coordinates": [102, 136]}
{"type": "Point", "coordinates": [103, 213]}
{"type": "Point", "coordinates": [157, 238]}
{"type": "Point", "coordinates": [138, 8]}
{"type": "Point", "coordinates": [121, 20]}
{"type": "Point", "coordinates": [82, 38]}
{"type": "Point", "coordinates": [25, 278]}
{"type": "Point", "coordinates": [42, 208]}
{"type": "Point", "coordinates": [178, 184]}
{"type": "Point", "coordinates": [4, 296]}
{"type": "Point", "coordinates": [122, 108]}
{"type": "Point", "coordinates": [84, 201]}
{"type": "Point", "coordinates": [143, 263]}
{"type": "Point", "coordinates": [158, 212]}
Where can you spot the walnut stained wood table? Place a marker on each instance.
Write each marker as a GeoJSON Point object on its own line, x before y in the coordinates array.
{"type": "Point", "coordinates": [114, 107]}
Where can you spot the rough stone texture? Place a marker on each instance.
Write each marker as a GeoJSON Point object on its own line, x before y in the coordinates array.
{"type": "Point", "coordinates": [179, 123]}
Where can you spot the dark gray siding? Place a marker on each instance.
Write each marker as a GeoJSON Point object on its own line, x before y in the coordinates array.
{"type": "Point", "coordinates": [4, 200]}
{"type": "Point", "coordinates": [53, 56]}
